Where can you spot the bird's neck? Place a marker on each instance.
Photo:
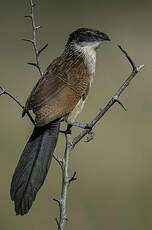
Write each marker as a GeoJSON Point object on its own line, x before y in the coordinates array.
{"type": "Point", "coordinates": [88, 54]}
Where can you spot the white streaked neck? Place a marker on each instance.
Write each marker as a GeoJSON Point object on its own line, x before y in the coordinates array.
{"type": "Point", "coordinates": [88, 51]}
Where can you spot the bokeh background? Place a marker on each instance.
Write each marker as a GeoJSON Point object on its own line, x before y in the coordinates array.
{"type": "Point", "coordinates": [114, 186]}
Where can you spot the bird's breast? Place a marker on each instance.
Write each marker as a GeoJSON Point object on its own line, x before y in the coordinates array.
{"type": "Point", "coordinates": [89, 57]}
{"type": "Point", "coordinates": [71, 117]}
{"type": "Point", "coordinates": [81, 81]}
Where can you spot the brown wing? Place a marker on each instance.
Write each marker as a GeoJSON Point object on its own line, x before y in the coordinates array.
{"type": "Point", "coordinates": [57, 93]}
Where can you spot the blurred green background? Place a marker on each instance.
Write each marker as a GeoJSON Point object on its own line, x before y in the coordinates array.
{"type": "Point", "coordinates": [114, 186]}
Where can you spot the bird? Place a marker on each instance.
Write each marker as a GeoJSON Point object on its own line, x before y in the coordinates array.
{"type": "Point", "coordinates": [60, 94]}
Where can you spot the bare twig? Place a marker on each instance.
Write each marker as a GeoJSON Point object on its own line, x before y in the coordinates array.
{"type": "Point", "coordinates": [34, 41]}
{"type": "Point", "coordinates": [42, 49]}
{"type": "Point", "coordinates": [37, 53]}
{"type": "Point", "coordinates": [4, 91]}
{"type": "Point", "coordinates": [56, 200]}
{"type": "Point", "coordinates": [57, 222]}
{"type": "Point", "coordinates": [73, 178]}
{"type": "Point", "coordinates": [59, 160]}
{"type": "Point", "coordinates": [113, 100]}
{"type": "Point", "coordinates": [90, 136]}
{"type": "Point", "coordinates": [65, 181]}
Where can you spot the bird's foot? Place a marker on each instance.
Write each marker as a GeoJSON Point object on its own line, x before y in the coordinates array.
{"type": "Point", "coordinates": [81, 125]}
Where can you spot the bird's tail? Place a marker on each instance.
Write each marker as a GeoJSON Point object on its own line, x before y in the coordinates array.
{"type": "Point", "coordinates": [33, 166]}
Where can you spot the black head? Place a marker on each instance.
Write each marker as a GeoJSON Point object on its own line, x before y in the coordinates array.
{"type": "Point", "coordinates": [87, 35]}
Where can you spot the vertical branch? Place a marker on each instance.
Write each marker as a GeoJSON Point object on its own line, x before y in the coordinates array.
{"type": "Point", "coordinates": [35, 28]}
{"type": "Point", "coordinates": [65, 182]}
{"type": "Point", "coordinates": [70, 144]}
{"type": "Point", "coordinates": [34, 40]}
{"type": "Point", "coordinates": [64, 163]}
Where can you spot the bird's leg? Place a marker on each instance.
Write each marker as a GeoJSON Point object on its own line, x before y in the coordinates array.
{"type": "Point", "coordinates": [77, 124]}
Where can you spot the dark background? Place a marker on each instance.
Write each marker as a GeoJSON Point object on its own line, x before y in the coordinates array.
{"type": "Point", "coordinates": [114, 186]}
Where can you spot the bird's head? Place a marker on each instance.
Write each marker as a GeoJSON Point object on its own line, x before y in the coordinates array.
{"type": "Point", "coordinates": [85, 37]}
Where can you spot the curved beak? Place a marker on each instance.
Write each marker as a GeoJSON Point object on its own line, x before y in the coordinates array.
{"type": "Point", "coordinates": [105, 37]}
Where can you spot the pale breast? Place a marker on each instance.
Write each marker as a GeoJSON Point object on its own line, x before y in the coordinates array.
{"type": "Point", "coordinates": [89, 56]}
{"type": "Point", "coordinates": [75, 112]}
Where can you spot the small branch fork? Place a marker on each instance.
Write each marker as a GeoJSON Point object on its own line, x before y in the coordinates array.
{"type": "Point", "coordinates": [70, 144]}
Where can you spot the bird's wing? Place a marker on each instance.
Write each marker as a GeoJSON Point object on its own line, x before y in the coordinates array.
{"type": "Point", "coordinates": [58, 91]}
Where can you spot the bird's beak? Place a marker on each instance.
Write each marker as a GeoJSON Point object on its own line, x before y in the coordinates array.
{"type": "Point", "coordinates": [105, 37]}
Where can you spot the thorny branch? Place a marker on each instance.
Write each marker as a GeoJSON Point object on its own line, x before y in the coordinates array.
{"type": "Point", "coordinates": [37, 54]}
{"type": "Point", "coordinates": [34, 41]}
{"type": "Point", "coordinates": [113, 100]}
{"type": "Point", "coordinates": [70, 143]}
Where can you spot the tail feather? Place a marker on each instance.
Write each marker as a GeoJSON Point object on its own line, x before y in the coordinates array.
{"type": "Point", "coordinates": [33, 166]}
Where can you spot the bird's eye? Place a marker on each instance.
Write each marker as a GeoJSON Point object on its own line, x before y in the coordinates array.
{"type": "Point", "coordinates": [89, 34]}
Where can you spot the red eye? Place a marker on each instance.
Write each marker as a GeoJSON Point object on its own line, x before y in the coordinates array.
{"type": "Point", "coordinates": [89, 35]}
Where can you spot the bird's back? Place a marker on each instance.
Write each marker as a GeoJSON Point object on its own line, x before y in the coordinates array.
{"type": "Point", "coordinates": [65, 82]}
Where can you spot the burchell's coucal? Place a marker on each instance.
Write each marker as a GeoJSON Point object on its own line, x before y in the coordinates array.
{"type": "Point", "coordinates": [60, 93]}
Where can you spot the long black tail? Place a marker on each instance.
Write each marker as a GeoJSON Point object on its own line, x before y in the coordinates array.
{"type": "Point", "coordinates": [33, 166]}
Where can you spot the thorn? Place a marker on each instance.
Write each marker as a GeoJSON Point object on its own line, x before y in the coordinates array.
{"type": "Point", "coordinates": [43, 48]}
{"type": "Point", "coordinates": [38, 27]}
{"type": "Point", "coordinates": [140, 67]}
{"type": "Point", "coordinates": [73, 177]}
{"type": "Point", "coordinates": [119, 102]}
{"type": "Point", "coordinates": [57, 222]}
{"type": "Point", "coordinates": [89, 137]}
{"type": "Point", "coordinates": [34, 64]}
{"type": "Point", "coordinates": [33, 5]}
{"type": "Point", "coordinates": [28, 16]}
{"type": "Point", "coordinates": [59, 160]}
{"type": "Point", "coordinates": [28, 40]}
{"type": "Point", "coordinates": [56, 200]}
{"type": "Point", "coordinates": [2, 90]}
